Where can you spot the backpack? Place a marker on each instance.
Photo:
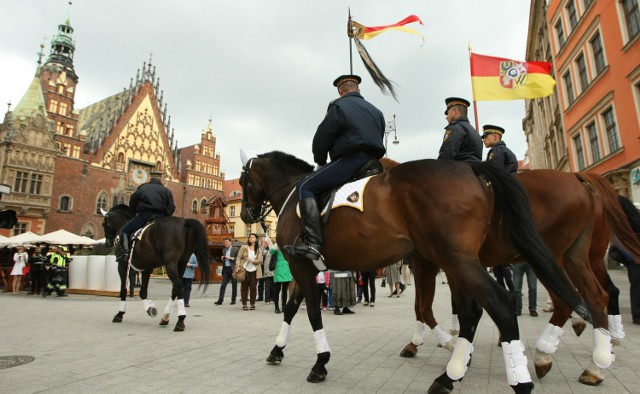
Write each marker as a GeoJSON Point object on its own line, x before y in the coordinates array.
{"type": "Point", "coordinates": [273, 261]}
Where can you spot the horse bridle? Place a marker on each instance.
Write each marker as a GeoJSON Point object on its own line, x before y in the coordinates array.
{"type": "Point", "coordinates": [257, 213]}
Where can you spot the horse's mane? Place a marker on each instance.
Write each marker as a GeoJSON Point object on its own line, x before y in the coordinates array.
{"type": "Point", "coordinates": [286, 159]}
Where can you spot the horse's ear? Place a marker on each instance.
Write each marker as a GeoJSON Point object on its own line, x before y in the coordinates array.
{"type": "Point", "coordinates": [243, 157]}
{"type": "Point", "coordinates": [103, 212]}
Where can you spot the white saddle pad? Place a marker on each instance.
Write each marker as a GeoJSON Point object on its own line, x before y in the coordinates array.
{"type": "Point", "coordinates": [349, 195]}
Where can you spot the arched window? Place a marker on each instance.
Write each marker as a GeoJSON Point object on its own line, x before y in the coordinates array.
{"type": "Point", "coordinates": [203, 205]}
{"type": "Point", "coordinates": [120, 164]}
{"type": "Point", "coordinates": [194, 206]}
{"type": "Point", "coordinates": [89, 230]}
{"type": "Point", "coordinates": [101, 202]}
{"type": "Point", "coordinates": [64, 204]}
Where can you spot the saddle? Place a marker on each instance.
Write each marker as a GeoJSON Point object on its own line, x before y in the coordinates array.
{"type": "Point", "coordinates": [325, 199]}
{"type": "Point", "coordinates": [137, 236]}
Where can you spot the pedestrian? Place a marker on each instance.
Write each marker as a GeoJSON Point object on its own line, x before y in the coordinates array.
{"type": "Point", "coordinates": [265, 256]}
{"type": "Point", "coordinates": [187, 278]}
{"type": "Point", "coordinates": [229, 254]}
{"type": "Point", "coordinates": [249, 258]}
{"type": "Point", "coordinates": [519, 270]}
{"type": "Point", "coordinates": [392, 276]}
{"type": "Point", "coordinates": [405, 273]}
{"type": "Point", "coordinates": [369, 287]}
{"type": "Point", "coordinates": [498, 152]}
{"type": "Point", "coordinates": [267, 273]}
{"type": "Point", "coordinates": [352, 135]}
{"type": "Point", "coordinates": [344, 291]}
{"type": "Point", "coordinates": [20, 259]}
{"type": "Point", "coordinates": [281, 278]}
{"type": "Point", "coordinates": [461, 141]}
{"type": "Point", "coordinates": [36, 262]}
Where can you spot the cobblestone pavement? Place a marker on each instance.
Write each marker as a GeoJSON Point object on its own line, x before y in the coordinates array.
{"type": "Point", "coordinates": [78, 350]}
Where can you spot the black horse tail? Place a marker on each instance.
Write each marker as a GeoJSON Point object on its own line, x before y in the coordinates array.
{"type": "Point", "coordinates": [512, 215]}
{"type": "Point", "coordinates": [196, 230]}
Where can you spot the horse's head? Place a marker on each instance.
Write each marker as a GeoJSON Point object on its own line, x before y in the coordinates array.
{"type": "Point", "coordinates": [113, 221]}
{"type": "Point", "coordinates": [265, 177]}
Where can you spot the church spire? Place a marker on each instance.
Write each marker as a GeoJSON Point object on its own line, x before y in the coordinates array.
{"type": "Point", "coordinates": [62, 44]}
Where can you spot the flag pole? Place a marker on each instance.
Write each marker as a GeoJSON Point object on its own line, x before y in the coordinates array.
{"type": "Point", "coordinates": [350, 34]}
{"type": "Point", "coordinates": [475, 104]}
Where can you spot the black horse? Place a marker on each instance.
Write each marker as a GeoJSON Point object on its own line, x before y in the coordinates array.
{"type": "Point", "coordinates": [439, 210]}
{"type": "Point", "coordinates": [169, 242]}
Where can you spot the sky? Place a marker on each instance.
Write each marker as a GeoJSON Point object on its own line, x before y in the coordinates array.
{"type": "Point", "coordinates": [262, 71]}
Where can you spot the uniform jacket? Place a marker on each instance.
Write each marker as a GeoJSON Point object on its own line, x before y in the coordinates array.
{"type": "Point", "coordinates": [503, 157]}
{"type": "Point", "coordinates": [351, 125]}
{"type": "Point", "coordinates": [153, 196]}
{"type": "Point", "coordinates": [243, 256]}
{"type": "Point", "coordinates": [461, 142]}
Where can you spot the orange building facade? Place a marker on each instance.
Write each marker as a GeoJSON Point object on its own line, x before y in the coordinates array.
{"type": "Point", "coordinates": [595, 48]}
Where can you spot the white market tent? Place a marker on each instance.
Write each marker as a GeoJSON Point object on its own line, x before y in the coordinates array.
{"type": "Point", "coordinates": [27, 238]}
{"type": "Point", "coordinates": [64, 237]}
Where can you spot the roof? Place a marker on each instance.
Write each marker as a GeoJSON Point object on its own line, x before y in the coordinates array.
{"type": "Point", "coordinates": [94, 118]}
{"type": "Point", "coordinates": [32, 103]}
{"type": "Point", "coordinates": [232, 185]}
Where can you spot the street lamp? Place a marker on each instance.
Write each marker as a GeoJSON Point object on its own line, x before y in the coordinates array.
{"type": "Point", "coordinates": [391, 127]}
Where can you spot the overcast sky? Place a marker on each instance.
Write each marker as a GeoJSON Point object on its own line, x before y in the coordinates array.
{"type": "Point", "coordinates": [263, 70]}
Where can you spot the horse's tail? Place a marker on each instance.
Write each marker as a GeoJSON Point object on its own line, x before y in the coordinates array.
{"type": "Point", "coordinates": [196, 230]}
{"type": "Point", "coordinates": [621, 213]}
{"type": "Point", "coordinates": [512, 214]}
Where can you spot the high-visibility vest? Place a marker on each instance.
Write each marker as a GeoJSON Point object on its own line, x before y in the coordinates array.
{"type": "Point", "coordinates": [61, 260]}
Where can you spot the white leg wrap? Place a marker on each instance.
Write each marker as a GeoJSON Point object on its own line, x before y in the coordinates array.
{"type": "Point", "coordinates": [283, 337]}
{"type": "Point", "coordinates": [123, 306]}
{"type": "Point", "coordinates": [146, 304]}
{"type": "Point", "coordinates": [168, 308]}
{"type": "Point", "coordinates": [418, 333]}
{"type": "Point", "coordinates": [515, 362]}
{"type": "Point", "coordinates": [182, 311]}
{"type": "Point", "coordinates": [442, 335]}
{"type": "Point", "coordinates": [601, 348]}
{"type": "Point", "coordinates": [616, 329]}
{"type": "Point", "coordinates": [459, 361]}
{"type": "Point", "coordinates": [455, 324]}
{"type": "Point", "coordinates": [549, 339]}
{"type": "Point", "coordinates": [321, 341]}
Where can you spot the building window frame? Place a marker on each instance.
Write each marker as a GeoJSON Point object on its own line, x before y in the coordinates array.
{"type": "Point", "coordinates": [583, 76]}
{"type": "Point", "coordinates": [568, 87]}
{"type": "Point", "coordinates": [65, 203]}
{"type": "Point", "coordinates": [562, 39]}
{"type": "Point", "coordinates": [631, 12]}
{"type": "Point", "coordinates": [577, 144]}
{"type": "Point", "coordinates": [232, 211]}
{"type": "Point", "coordinates": [21, 182]}
{"type": "Point", "coordinates": [203, 205]}
{"type": "Point", "coordinates": [194, 206]}
{"type": "Point", "coordinates": [572, 14]}
{"type": "Point", "coordinates": [20, 228]}
{"type": "Point", "coordinates": [611, 129]}
{"type": "Point", "coordinates": [598, 52]}
{"type": "Point", "coordinates": [592, 130]}
{"type": "Point", "coordinates": [102, 201]}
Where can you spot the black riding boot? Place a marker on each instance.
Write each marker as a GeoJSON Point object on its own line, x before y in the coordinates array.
{"type": "Point", "coordinates": [123, 252]}
{"type": "Point", "coordinates": [312, 227]}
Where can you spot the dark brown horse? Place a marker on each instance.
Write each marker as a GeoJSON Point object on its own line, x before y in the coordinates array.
{"type": "Point", "coordinates": [168, 242]}
{"type": "Point", "coordinates": [576, 214]}
{"type": "Point", "coordinates": [440, 211]}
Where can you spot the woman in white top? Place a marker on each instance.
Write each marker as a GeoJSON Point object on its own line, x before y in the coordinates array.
{"type": "Point", "coordinates": [249, 258]}
{"type": "Point", "coordinates": [19, 262]}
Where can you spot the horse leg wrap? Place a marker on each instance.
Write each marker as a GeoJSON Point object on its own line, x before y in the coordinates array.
{"type": "Point", "coordinates": [320, 338]}
{"type": "Point", "coordinates": [418, 333]}
{"type": "Point", "coordinates": [616, 329]}
{"type": "Point", "coordinates": [459, 361]}
{"type": "Point", "coordinates": [601, 348]}
{"type": "Point", "coordinates": [283, 336]}
{"type": "Point", "coordinates": [182, 311]}
{"type": "Point", "coordinates": [515, 362]}
{"type": "Point", "coordinates": [442, 335]}
{"type": "Point", "coordinates": [123, 306]}
{"type": "Point", "coordinates": [455, 325]}
{"type": "Point", "coordinates": [549, 339]}
{"type": "Point", "coordinates": [167, 310]}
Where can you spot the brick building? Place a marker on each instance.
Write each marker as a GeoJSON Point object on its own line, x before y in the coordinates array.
{"type": "Point", "coordinates": [593, 123]}
{"type": "Point", "coordinates": [65, 164]}
{"type": "Point", "coordinates": [233, 197]}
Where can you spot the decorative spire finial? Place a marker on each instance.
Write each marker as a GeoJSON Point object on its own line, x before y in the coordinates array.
{"type": "Point", "coordinates": [9, 106]}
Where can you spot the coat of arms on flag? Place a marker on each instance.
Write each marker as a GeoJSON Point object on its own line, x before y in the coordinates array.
{"type": "Point", "coordinates": [513, 74]}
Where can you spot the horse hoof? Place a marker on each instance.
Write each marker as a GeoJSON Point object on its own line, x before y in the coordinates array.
{"type": "Point", "coordinates": [117, 319]}
{"type": "Point", "coordinates": [523, 388]}
{"type": "Point", "coordinates": [163, 322]}
{"type": "Point", "coordinates": [315, 377]}
{"type": "Point", "coordinates": [409, 351]}
{"type": "Point", "coordinates": [437, 388]}
{"type": "Point", "coordinates": [579, 327]}
{"type": "Point", "coordinates": [153, 312]}
{"type": "Point", "coordinates": [590, 379]}
{"type": "Point", "coordinates": [179, 326]}
{"type": "Point", "coordinates": [543, 370]}
{"type": "Point", "coordinates": [617, 341]}
{"type": "Point", "coordinates": [272, 359]}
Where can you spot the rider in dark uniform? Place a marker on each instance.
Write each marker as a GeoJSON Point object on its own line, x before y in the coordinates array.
{"type": "Point", "coordinates": [149, 200]}
{"type": "Point", "coordinates": [352, 135]}
{"type": "Point", "coordinates": [461, 141]}
{"type": "Point", "coordinates": [499, 153]}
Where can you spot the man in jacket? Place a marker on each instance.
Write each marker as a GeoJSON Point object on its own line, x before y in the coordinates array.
{"type": "Point", "coordinates": [498, 152]}
{"type": "Point", "coordinates": [229, 254]}
{"type": "Point", "coordinates": [351, 134]}
{"type": "Point", "coordinates": [461, 141]}
{"type": "Point", "coordinates": [150, 200]}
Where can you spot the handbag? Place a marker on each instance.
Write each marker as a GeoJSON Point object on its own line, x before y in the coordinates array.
{"type": "Point", "coordinates": [25, 270]}
{"type": "Point", "coordinates": [239, 274]}
{"type": "Point", "coordinates": [273, 262]}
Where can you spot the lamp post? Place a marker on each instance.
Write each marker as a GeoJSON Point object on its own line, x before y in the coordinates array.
{"type": "Point", "coordinates": [391, 127]}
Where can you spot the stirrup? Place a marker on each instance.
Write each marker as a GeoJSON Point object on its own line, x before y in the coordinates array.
{"type": "Point", "coordinates": [309, 252]}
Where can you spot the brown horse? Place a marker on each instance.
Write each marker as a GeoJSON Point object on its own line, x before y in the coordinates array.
{"type": "Point", "coordinates": [576, 215]}
{"type": "Point", "coordinates": [441, 211]}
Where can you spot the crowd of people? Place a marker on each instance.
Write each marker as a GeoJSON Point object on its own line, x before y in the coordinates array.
{"type": "Point", "coordinates": [39, 271]}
